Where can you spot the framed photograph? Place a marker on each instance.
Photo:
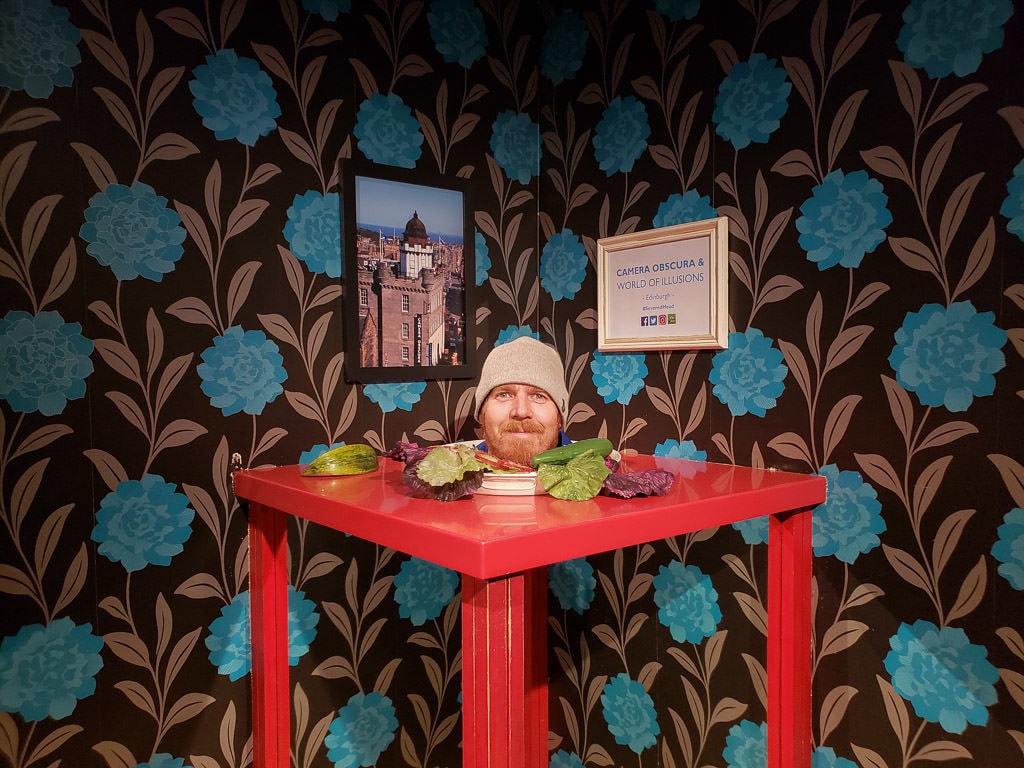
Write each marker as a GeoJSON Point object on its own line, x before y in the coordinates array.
{"type": "Point", "coordinates": [409, 268]}
{"type": "Point", "coordinates": [665, 288]}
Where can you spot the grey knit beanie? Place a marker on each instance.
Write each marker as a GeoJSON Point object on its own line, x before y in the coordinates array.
{"type": "Point", "coordinates": [524, 360]}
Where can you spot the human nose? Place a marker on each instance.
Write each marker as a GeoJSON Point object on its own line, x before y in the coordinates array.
{"type": "Point", "coordinates": [521, 406]}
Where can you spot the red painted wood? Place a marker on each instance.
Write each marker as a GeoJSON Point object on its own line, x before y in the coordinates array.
{"type": "Point", "coordinates": [504, 671]}
{"type": "Point", "coordinates": [789, 640]}
{"type": "Point", "coordinates": [502, 546]}
{"type": "Point", "coordinates": [268, 607]}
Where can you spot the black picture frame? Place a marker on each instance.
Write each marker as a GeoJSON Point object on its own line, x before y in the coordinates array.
{"type": "Point", "coordinates": [408, 285]}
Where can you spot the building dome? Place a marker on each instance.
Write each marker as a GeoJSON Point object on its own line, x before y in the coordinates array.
{"type": "Point", "coordinates": [416, 231]}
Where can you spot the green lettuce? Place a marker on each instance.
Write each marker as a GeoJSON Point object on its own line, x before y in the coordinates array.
{"type": "Point", "coordinates": [578, 479]}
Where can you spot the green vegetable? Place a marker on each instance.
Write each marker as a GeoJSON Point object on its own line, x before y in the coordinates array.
{"type": "Point", "coordinates": [444, 464]}
{"type": "Point", "coordinates": [564, 453]}
{"type": "Point", "coordinates": [354, 459]}
{"type": "Point", "coordinates": [579, 479]}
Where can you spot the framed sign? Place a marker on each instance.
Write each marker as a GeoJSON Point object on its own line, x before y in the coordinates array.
{"type": "Point", "coordinates": [664, 288]}
{"type": "Point", "coordinates": [409, 266]}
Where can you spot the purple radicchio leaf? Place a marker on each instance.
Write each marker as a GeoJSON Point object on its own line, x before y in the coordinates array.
{"type": "Point", "coordinates": [641, 482]}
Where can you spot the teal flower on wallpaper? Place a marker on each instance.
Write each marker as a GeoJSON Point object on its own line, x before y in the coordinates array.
{"type": "Point", "coordinates": [307, 456]}
{"type": "Point", "coordinates": [629, 713]}
{"type": "Point", "coordinates": [948, 355]}
{"type": "Point", "coordinates": [825, 757]}
{"type": "Point", "coordinates": [748, 376]}
{"type": "Point", "coordinates": [563, 759]}
{"type": "Point", "coordinates": [844, 218]}
{"type": "Point", "coordinates": [618, 376]}
{"type": "Point", "coordinates": [400, 395]}
{"type": "Point", "coordinates": [133, 231]}
{"type": "Point", "coordinates": [677, 10]}
{"type": "Point", "coordinates": [946, 678]}
{"type": "Point", "coordinates": [235, 98]}
{"type": "Point", "coordinates": [1009, 548]}
{"type": "Point", "coordinates": [684, 208]}
{"type": "Point", "coordinates": [510, 332]}
{"type": "Point", "coordinates": [621, 135]}
{"type": "Point", "coordinates": [328, 9]}
{"type": "Point", "coordinates": [515, 144]}
{"type": "Point", "coordinates": [388, 133]}
{"type": "Point", "coordinates": [847, 524]}
{"type": "Point", "coordinates": [423, 589]}
{"type": "Point", "coordinates": [363, 729]}
{"type": "Point", "coordinates": [746, 745]}
{"type": "Point", "coordinates": [44, 362]}
{"type": "Point", "coordinates": [684, 450]}
{"type": "Point", "coordinates": [1013, 206]}
{"type": "Point", "coordinates": [563, 46]}
{"type": "Point", "coordinates": [46, 670]}
{"type": "Point", "coordinates": [751, 101]}
{"type": "Point", "coordinates": [242, 371]}
{"type": "Point", "coordinates": [572, 582]}
{"type": "Point", "coordinates": [563, 265]}
{"type": "Point", "coordinates": [38, 47]}
{"type": "Point", "coordinates": [143, 522]}
{"type": "Point", "coordinates": [164, 760]}
{"type": "Point", "coordinates": [950, 36]}
{"type": "Point", "coordinates": [229, 641]}
{"type": "Point", "coordinates": [687, 602]}
{"type": "Point", "coordinates": [754, 531]}
{"type": "Point", "coordinates": [483, 259]}
{"type": "Point", "coordinates": [458, 31]}
{"type": "Point", "coordinates": [313, 231]}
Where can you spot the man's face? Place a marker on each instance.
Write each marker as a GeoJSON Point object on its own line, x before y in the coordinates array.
{"type": "Point", "coordinates": [519, 421]}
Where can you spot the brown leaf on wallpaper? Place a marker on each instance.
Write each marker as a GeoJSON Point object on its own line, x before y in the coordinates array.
{"type": "Point", "coordinates": [853, 40]}
{"type": "Point", "coordinates": [244, 215]}
{"type": "Point", "coordinates": [14, 581]}
{"type": "Point", "coordinates": [62, 276]}
{"type": "Point", "coordinates": [1014, 641]}
{"type": "Point", "coordinates": [753, 610]}
{"type": "Point", "coordinates": [179, 655]}
{"type": "Point", "coordinates": [316, 336]}
{"type": "Point", "coordinates": [185, 23]}
{"type": "Point", "coordinates": [867, 296]}
{"type": "Point", "coordinates": [299, 147]}
{"type": "Point", "coordinates": [915, 254]}
{"type": "Point", "coordinates": [50, 743]}
{"type": "Point", "coordinates": [972, 592]}
{"type": "Point", "coordinates": [947, 433]}
{"type": "Point", "coordinates": [908, 568]}
{"type": "Point", "coordinates": [48, 536]}
{"type": "Point", "coordinates": [758, 678]}
{"type": "Point", "coordinates": [24, 493]}
{"type": "Point", "coordinates": [1012, 474]}
{"type": "Point", "coordinates": [169, 146]}
{"type": "Point", "coordinates": [696, 705]}
{"type": "Point", "coordinates": [940, 751]}
{"type": "Point", "coordinates": [908, 87]}
{"type": "Point", "coordinates": [955, 101]}
{"type": "Point", "coordinates": [120, 111]}
{"type": "Point", "coordinates": [272, 59]}
{"type": "Point", "coordinates": [868, 758]}
{"type": "Point", "coordinates": [239, 287]}
{"type": "Point", "coordinates": [660, 399]}
{"type": "Point", "coordinates": [206, 510]}
{"type": "Point", "coordinates": [179, 432]}
{"type": "Point", "coordinates": [1014, 117]}
{"type": "Point", "coordinates": [170, 377]}
{"type": "Point", "coordinates": [200, 587]}
{"type": "Point", "coordinates": [120, 358]}
{"type": "Point", "coordinates": [196, 228]}
{"type": "Point", "coordinates": [138, 696]}
{"type": "Point", "coordinates": [34, 225]}
{"type": "Point", "coordinates": [797, 364]}
{"type": "Point", "coordinates": [842, 126]}
{"type": "Point", "coordinates": [846, 345]}
{"type": "Point", "coordinates": [231, 13]}
{"type": "Point", "coordinates": [836, 424]}
{"type": "Point", "coordinates": [303, 405]}
{"type": "Point", "coordinates": [40, 438]}
{"type": "Point", "coordinates": [108, 467]}
{"type": "Point", "coordinates": [792, 446]}
{"type": "Point", "coordinates": [106, 52]}
{"type": "Point", "coordinates": [841, 636]}
{"type": "Point", "coordinates": [935, 161]}
{"type": "Point", "coordinates": [900, 406]}
{"type": "Point", "coordinates": [128, 647]}
{"type": "Point", "coordinates": [323, 36]}
{"type": "Point", "coordinates": [886, 161]}
{"type": "Point", "coordinates": [895, 710]}
{"type": "Point", "coordinates": [264, 172]}
{"type": "Point", "coordinates": [926, 486]}
{"type": "Point", "coordinates": [978, 260]}
{"type": "Point", "coordinates": [727, 710]}
{"type": "Point", "coordinates": [115, 754]}
{"type": "Point", "coordinates": [365, 77]}
{"type": "Point", "coordinates": [794, 164]}
{"type": "Point", "coordinates": [27, 119]}
{"type": "Point", "coordinates": [833, 710]}
{"type": "Point", "coordinates": [725, 54]}
{"type": "Point", "coordinates": [12, 168]}
{"type": "Point", "coordinates": [277, 325]}
{"type": "Point", "coordinates": [800, 75]}
{"type": "Point", "coordinates": [880, 471]}
{"type": "Point", "coordinates": [188, 706]}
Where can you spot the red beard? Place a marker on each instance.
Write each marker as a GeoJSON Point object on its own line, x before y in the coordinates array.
{"type": "Point", "coordinates": [521, 448]}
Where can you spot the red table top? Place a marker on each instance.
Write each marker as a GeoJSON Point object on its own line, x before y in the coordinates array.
{"type": "Point", "coordinates": [488, 536]}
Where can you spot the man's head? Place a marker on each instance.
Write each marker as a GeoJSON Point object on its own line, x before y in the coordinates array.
{"type": "Point", "coordinates": [521, 399]}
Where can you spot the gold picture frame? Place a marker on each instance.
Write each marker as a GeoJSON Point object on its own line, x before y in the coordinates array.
{"type": "Point", "coordinates": [665, 288]}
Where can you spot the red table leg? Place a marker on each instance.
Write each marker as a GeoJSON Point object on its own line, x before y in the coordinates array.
{"type": "Point", "coordinates": [789, 640]}
{"type": "Point", "coordinates": [268, 610]}
{"type": "Point", "coordinates": [504, 671]}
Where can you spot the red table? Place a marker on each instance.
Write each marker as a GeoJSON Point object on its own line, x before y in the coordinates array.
{"type": "Point", "coordinates": [502, 545]}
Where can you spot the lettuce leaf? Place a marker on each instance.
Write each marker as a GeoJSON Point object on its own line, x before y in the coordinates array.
{"type": "Point", "coordinates": [443, 473]}
{"type": "Point", "coordinates": [578, 479]}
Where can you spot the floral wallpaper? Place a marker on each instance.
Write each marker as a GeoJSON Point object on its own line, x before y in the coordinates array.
{"type": "Point", "coordinates": [171, 260]}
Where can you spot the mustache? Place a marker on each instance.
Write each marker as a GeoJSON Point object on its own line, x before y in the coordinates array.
{"type": "Point", "coordinates": [526, 425]}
